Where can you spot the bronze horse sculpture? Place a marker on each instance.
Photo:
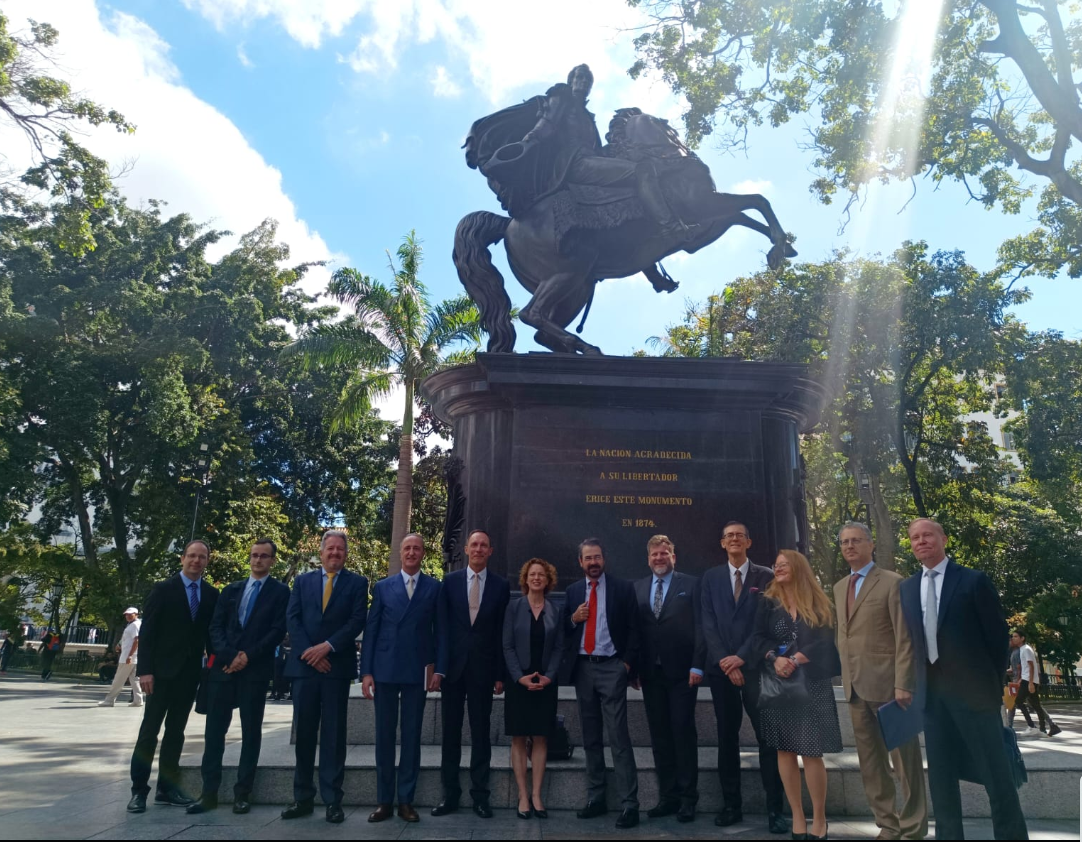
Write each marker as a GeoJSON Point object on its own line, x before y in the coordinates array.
{"type": "Point", "coordinates": [566, 241]}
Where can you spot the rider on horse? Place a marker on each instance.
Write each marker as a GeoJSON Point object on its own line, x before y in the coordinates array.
{"type": "Point", "coordinates": [563, 147]}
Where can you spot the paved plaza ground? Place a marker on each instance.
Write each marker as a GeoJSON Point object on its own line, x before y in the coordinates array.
{"type": "Point", "coordinates": [64, 764]}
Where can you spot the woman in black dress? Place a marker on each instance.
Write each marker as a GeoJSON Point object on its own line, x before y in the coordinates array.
{"type": "Point", "coordinates": [794, 631]}
{"type": "Point", "coordinates": [532, 645]}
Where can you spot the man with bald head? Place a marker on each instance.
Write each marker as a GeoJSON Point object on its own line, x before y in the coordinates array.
{"type": "Point", "coordinates": [960, 646]}
{"type": "Point", "coordinates": [398, 661]}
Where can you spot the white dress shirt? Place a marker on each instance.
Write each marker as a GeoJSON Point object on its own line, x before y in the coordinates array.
{"type": "Point", "coordinates": [940, 568]}
{"type": "Point", "coordinates": [603, 645]}
{"type": "Point", "coordinates": [743, 568]}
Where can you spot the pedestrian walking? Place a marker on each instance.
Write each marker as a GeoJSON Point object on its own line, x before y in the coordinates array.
{"type": "Point", "coordinates": [127, 665]}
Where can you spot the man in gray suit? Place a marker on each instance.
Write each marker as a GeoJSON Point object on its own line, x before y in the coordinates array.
{"type": "Point", "coordinates": [601, 646]}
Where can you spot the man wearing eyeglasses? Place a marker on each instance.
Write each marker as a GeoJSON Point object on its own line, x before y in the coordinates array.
{"type": "Point", "coordinates": [878, 667]}
{"type": "Point", "coordinates": [730, 597]}
{"type": "Point", "coordinates": [249, 622]}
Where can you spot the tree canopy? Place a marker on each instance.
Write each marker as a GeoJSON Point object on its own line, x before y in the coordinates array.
{"type": "Point", "coordinates": [968, 90]}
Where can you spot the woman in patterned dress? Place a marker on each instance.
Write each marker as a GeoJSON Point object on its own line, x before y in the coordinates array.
{"type": "Point", "coordinates": [794, 631]}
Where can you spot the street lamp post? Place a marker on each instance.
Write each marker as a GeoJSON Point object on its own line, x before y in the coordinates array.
{"type": "Point", "coordinates": [201, 465]}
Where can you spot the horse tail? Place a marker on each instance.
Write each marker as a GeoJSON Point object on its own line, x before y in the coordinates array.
{"type": "Point", "coordinates": [483, 281]}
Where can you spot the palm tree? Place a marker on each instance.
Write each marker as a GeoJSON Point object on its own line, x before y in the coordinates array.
{"type": "Point", "coordinates": [392, 337]}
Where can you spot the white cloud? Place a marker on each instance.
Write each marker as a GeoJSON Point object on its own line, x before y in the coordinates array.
{"type": "Point", "coordinates": [752, 185]}
{"type": "Point", "coordinates": [443, 85]}
{"type": "Point", "coordinates": [184, 151]}
{"type": "Point", "coordinates": [242, 57]}
{"type": "Point", "coordinates": [504, 46]}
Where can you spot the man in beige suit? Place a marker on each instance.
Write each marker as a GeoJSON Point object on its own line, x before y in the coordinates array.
{"type": "Point", "coordinates": [877, 667]}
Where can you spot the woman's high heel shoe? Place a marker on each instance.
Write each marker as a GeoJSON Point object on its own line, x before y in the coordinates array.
{"type": "Point", "coordinates": [796, 835]}
{"type": "Point", "coordinates": [541, 814]}
{"type": "Point", "coordinates": [527, 813]}
{"type": "Point", "coordinates": [826, 834]}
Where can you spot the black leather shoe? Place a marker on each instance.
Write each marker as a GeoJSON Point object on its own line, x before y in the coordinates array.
{"type": "Point", "coordinates": [138, 804]}
{"type": "Point", "coordinates": [665, 808]}
{"type": "Point", "coordinates": [407, 813]}
{"type": "Point", "coordinates": [203, 805]}
{"type": "Point", "coordinates": [445, 807]}
{"type": "Point", "coordinates": [777, 823]}
{"type": "Point", "coordinates": [482, 810]}
{"type": "Point", "coordinates": [241, 806]}
{"type": "Point", "coordinates": [826, 834]}
{"type": "Point", "coordinates": [335, 814]}
{"type": "Point", "coordinates": [728, 816]}
{"type": "Point", "coordinates": [592, 810]}
{"type": "Point", "coordinates": [298, 809]}
{"type": "Point", "coordinates": [686, 813]}
{"type": "Point", "coordinates": [628, 818]}
{"type": "Point", "coordinates": [173, 798]}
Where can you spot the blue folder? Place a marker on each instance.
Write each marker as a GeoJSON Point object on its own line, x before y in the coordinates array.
{"type": "Point", "coordinates": [899, 726]}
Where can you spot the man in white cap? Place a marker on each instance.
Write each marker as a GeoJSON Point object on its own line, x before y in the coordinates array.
{"type": "Point", "coordinates": [125, 668]}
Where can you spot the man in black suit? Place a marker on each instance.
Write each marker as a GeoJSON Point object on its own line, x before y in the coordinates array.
{"type": "Point", "coordinates": [670, 670]}
{"type": "Point", "coordinates": [470, 613]}
{"type": "Point", "coordinates": [730, 598]}
{"type": "Point", "coordinates": [327, 612]}
{"type": "Point", "coordinates": [600, 657]}
{"type": "Point", "coordinates": [248, 624]}
{"type": "Point", "coordinates": [961, 646]}
{"type": "Point", "coordinates": [174, 636]}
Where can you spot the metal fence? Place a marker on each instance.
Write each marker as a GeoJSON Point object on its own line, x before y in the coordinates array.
{"type": "Point", "coordinates": [1061, 688]}
{"type": "Point", "coordinates": [80, 664]}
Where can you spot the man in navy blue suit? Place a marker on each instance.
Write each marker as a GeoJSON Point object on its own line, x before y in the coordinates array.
{"type": "Point", "coordinates": [249, 622]}
{"type": "Point", "coordinates": [601, 640]}
{"type": "Point", "coordinates": [961, 646]}
{"type": "Point", "coordinates": [470, 618]}
{"type": "Point", "coordinates": [730, 597]}
{"type": "Point", "coordinates": [326, 614]}
{"type": "Point", "coordinates": [398, 658]}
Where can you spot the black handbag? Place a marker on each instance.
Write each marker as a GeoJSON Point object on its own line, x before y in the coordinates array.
{"type": "Point", "coordinates": [778, 692]}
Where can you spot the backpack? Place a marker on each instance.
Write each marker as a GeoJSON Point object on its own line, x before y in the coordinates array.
{"type": "Point", "coordinates": [560, 747]}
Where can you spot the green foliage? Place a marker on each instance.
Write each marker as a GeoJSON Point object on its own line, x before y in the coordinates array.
{"type": "Point", "coordinates": [908, 349]}
{"type": "Point", "coordinates": [47, 111]}
{"type": "Point", "coordinates": [119, 363]}
{"type": "Point", "coordinates": [893, 92]}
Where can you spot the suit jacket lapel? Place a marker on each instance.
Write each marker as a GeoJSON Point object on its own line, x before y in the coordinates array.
{"type": "Point", "coordinates": [674, 588]}
{"type": "Point", "coordinates": [870, 581]}
{"type": "Point", "coordinates": [950, 582]}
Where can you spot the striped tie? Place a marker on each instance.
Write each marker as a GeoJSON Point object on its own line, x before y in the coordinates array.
{"type": "Point", "coordinates": [193, 599]}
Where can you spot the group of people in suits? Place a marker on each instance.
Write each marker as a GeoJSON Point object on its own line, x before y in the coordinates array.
{"type": "Point", "coordinates": [935, 643]}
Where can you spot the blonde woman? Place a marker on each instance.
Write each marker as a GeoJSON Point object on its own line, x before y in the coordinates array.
{"type": "Point", "coordinates": [533, 637]}
{"type": "Point", "coordinates": [794, 631]}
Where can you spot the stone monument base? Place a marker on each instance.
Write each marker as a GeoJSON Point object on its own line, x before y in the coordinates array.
{"type": "Point", "coordinates": [554, 448]}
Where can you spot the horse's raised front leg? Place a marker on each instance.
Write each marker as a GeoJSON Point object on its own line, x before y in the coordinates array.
{"type": "Point", "coordinates": [782, 248]}
{"type": "Point", "coordinates": [556, 296]}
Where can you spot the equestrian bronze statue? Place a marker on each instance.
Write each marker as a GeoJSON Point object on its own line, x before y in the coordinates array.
{"type": "Point", "coordinates": [581, 211]}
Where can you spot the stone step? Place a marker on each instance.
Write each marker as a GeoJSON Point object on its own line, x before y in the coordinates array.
{"type": "Point", "coordinates": [362, 725]}
{"type": "Point", "coordinates": [1050, 794]}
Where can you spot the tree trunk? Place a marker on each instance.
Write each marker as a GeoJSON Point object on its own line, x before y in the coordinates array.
{"type": "Point", "coordinates": [886, 544]}
{"type": "Point", "coordinates": [403, 487]}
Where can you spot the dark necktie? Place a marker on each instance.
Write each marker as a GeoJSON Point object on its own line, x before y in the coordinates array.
{"type": "Point", "coordinates": [193, 598]}
{"type": "Point", "coordinates": [588, 640]}
{"type": "Point", "coordinates": [737, 587]}
{"type": "Point", "coordinates": [251, 602]}
{"type": "Point", "coordinates": [657, 600]}
{"type": "Point", "coordinates": [851, 597]}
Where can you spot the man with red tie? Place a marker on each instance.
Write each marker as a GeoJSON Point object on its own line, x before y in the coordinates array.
{"type": "Point", "coordinates": [602, 644]}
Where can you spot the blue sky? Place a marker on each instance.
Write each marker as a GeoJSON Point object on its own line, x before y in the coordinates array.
{"type": "Point", "coordinates": [343, 119]}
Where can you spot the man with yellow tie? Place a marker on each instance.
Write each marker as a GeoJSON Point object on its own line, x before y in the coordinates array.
{"type": "Point", "coordinates": [327, 612]}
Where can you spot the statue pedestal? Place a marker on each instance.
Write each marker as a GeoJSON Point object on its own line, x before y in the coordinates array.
{"type": "Point", "coordinates": [554, 448]}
